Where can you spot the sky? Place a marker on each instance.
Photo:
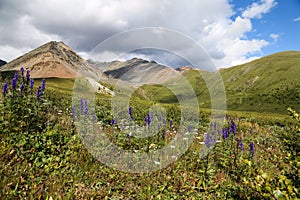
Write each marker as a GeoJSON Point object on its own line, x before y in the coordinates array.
{"type": "Point", "coordinates": [231, 32]}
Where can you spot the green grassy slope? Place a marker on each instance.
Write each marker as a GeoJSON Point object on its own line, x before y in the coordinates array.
{"type": "Point", "coordinates": [269, 84]}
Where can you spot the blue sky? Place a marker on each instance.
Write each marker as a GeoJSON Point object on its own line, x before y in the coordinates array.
{"type": "Point", "coordinates": [280, 21]}
{"type": "Point", "coordinates": [232, 32]}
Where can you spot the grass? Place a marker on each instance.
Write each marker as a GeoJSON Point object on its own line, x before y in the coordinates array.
{"type": "Point", "coordinates": [50, 161]}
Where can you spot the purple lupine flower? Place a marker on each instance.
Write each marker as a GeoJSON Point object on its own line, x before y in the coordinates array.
{"type": "Point", "coordinates": [86, 107]}
{"type": "Point", "coordinates": [233, 127]}
{"type": "Point", "coordinates": [43, 84]}
{"type": "Point", "coordinates": [215, 125]}
{"type": "Point", "coordinates": [171, 123]}
{"type": "Point", "coordinates": [39, 93]}
{"type": "Point", "coordinates": [148, 119]}
{"type": "Point", "coordinates": [251, 131]}
{"type": "Point", "coordinates": [81, 105]}
{"type": "Point", "coordinates": [14, 81]}
{"type": "Point", "coordinates": [31, 83]}
{"type": "Point", "coordinates": [73, 111]}
{"type": "Point", "coordinates": [163, 121]}
{"type": "Point", "coordinates": [163, 134]}
{"type": "Point", "coordinates": [28, 74]}
{"type": "Point", "coordinates": [225, 133]}
{"type": "Point", "coordinates": [241, 145]}
{"type": "Point", "coordinates": [21, 88]}
{"type": "Point", "coordinates": [112, 122]}
{"type": "Point", "coordinates": [130, 112]}
{"type": "Point", "coordinates": [5, 89]}
{"type": "Point", "coordinates": [209, 141]}
{"type": "Point", "coordinates": [251, 148]}
{"type": "Point", "coordinates": [22, 71]}
{"type": "Point", "coordinates": [189, 128]}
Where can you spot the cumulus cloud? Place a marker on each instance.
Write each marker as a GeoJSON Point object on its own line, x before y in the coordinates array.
{"type": "Point", "coordinates": [83, 25]}
{"type": "Point", "coordinates": [257, 10]}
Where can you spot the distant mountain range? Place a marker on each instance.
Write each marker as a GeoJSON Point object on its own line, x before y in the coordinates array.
{"type": "Point", "coordinates": [267, 84]}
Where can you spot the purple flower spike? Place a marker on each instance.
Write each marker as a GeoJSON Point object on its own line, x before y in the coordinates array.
{"type": "Point", "coordinates": [31, 83]}
{"type": "Point", "coordinates": [43, 84]}
{"type": "Point", "coordinates": [22, 71]}
{"type": "Point", "coordinates": [112, 122]}
{"type": "Point", "coordinates": [21, 88]}
{"type": "Point", "coordinates": [14, 81]}
{"type": "Point", "coordinates": [130, 112]}
{"type": "Point", "coordinates": [251, 149]}
{"type": "Point", "coordinates": [233, 127]}
{"type": "Point", "coordinates": [39, 93]}
{"type": "Point", "coordinates": [241, 145]}
{"type": "Point", "coordinates": [5, 89]}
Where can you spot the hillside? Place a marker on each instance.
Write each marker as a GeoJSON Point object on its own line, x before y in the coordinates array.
{"type": "Point", "coordinates": [268, 84]}
{"type": "Point", "coordinates": [53, 59]}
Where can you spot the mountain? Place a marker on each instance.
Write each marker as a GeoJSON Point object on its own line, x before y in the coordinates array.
{"type": "Point", "coordinates": [53, 59]}
{"type": "Point", "coordinates": [137, 71]}
{"type": "Point", "coordinates": [268, 84]}
{"type": "Point", "coordinates": [2, 62]}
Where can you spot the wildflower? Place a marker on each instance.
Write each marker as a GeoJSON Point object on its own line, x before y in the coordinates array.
{"type": "Point", "coordinates": [21, 88]}
{"type": "Point", "coordinates": [225, 133]}
{"type": "Point", "coordinates": [215, 125]}
{"type": "Point", "coordinates": [233, 127]}
{"type": "Point", "coordinates": [43, 84]}
{"type": "Point", "coordinates": [241, 145]}
{"type": "Point", "coordinates": [39, 93]}
{"type": "Point", "coordinates": [81, 105]}
{"type": "Point", "coordinates": [31, 83]}
{"type": "Point", "coordinates": [128, 135]}
{"type": "Point", "coordinates": [14, 81]}
{"type": "Point", "coordinates": [22, 71]}
{"type": "Point", "coordinates": [5, 89]}
{"type": "Point", "coordinates": [73, 111]}
{"type": "Point", "coordinates": [171, 123]}
{"type": "Point", "coordinates": [148, 119]}
{"type": "Point", "coordinates": [130, 112]}
{"type": "Point", "coordinates": [164, 134]}
{"type": "Point", "coordinates": [112, 122]}
{"type": "Point", "coordinates": [251, 149]}
{"type": "Point", "coordinates": [209, 141]}
{"type": "Point", "coordinates": [251, 131]}
{"type": "Point", "coordinates": [189, 128]}
{"type": "Point", "coordinates": [86, 107]}
{"type": "Point", "coordinates": [28, 74]}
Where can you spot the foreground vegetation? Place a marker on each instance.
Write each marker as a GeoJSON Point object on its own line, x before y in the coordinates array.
{"type": "Point", "coordinates": [42, 157]}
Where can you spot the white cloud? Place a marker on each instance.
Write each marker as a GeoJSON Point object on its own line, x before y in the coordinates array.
{"type": "Point", "coordinates": [82, 25]}
{"type": "Point", "coordinates": [274, 37]}
{"type": "Point", "coordinates": [296, 19]}
{"type": "Point", "coordinates": [256, 10]}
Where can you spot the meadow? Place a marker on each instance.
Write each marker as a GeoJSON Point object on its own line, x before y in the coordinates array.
{"type": "Point", "coordinates": [252, 156]}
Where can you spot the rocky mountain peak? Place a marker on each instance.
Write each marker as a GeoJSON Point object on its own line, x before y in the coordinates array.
{"type": "Point", "coordinates": [53, 59]}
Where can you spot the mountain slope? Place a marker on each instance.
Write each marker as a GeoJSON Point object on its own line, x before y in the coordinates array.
{"type": "Point", "coordinates": [138, 71]}
{"type": "Point", "coordinates": [268, 84]}
{"type": "Point", "coordinates": [53, 59]}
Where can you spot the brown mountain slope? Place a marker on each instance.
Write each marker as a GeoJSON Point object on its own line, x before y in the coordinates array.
{"type": "Point", "coordinates": [53, 59]}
